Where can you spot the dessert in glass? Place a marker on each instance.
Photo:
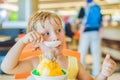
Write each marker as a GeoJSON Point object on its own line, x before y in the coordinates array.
{"type": "Point", "coordinates": [49, 69]}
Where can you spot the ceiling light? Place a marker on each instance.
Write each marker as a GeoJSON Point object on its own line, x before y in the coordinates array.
{"type": "Point", "coordinates": [67, 12]}
{"type": "Point", "coordinates": [11, 7]}
{"type": "Point", "coordinates": [113, 1]}
{"type": "Point", "coordinates": [11, 1]}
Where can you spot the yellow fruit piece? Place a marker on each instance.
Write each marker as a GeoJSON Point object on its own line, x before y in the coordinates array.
{"type": "Point", "coordinates": [52, 68]}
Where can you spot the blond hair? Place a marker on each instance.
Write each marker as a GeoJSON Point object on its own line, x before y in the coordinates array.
{"type": "Point", "coordinates": [41, 17]}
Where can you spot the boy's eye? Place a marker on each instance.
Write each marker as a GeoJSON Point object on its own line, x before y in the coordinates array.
{"type": "Point", "coordinates": [47, 33]}
{"type": "Point", "coordinates": [58, 30]}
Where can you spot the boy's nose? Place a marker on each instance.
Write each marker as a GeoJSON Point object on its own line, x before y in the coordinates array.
{"type": "Point", "coordinates": [54, 37]}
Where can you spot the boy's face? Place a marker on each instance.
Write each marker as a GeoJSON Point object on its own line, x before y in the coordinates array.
{"type": "Point", "coordinates": [52, 31]}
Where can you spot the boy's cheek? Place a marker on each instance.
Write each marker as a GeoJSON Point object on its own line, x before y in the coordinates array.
{"type": "Point", "coordinates": [45, 38]}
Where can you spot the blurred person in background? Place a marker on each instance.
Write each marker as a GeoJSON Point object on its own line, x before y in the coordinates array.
{"type": "Point", "coordinates": [69, 33]}
{"type": "Point", "coordinates": [81, 14]}
{"type": "Point", "coordinates": [68, 28]}
{"type": "Point", "coordinates": [90, 36]}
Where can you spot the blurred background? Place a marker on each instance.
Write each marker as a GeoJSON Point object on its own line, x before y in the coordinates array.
{"type": "Point", "coordinates": [14, 15]}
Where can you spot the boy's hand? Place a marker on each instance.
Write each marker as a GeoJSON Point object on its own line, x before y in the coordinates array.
{"type": "Point", "coordinates": [108, 66]}
{"type": "Point", "coordinates": [32, 37]}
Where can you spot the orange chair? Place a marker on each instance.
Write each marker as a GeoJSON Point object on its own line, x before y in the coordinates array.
{"type": "Point", "coordinates": [28, 51]}
{"type": "Point", "coordinates": [77, 35]}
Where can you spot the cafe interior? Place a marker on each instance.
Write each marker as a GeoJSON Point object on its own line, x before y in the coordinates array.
{"type": "Point", "coordinates": [14, 16]}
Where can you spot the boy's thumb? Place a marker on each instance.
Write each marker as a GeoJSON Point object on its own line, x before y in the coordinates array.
{"type": "Point", "coordinates": [107, 57]}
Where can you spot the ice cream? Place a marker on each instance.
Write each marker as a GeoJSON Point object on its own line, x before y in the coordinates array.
{"type": "Point", "coordinates": [49, 68]}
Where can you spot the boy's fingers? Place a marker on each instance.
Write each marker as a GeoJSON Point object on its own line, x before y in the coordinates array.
{"type": "Point", "coordinates": [41, 38]}
{"type": "Point", "coordinates": [107, 57]}
{"type": "Point", "coordinates": [30, 39]}
{"type": "Point", "coordinates": [38, 37]}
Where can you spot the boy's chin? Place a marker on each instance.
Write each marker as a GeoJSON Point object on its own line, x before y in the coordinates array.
{"type": "Point", "coordinates": [58, 50]}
